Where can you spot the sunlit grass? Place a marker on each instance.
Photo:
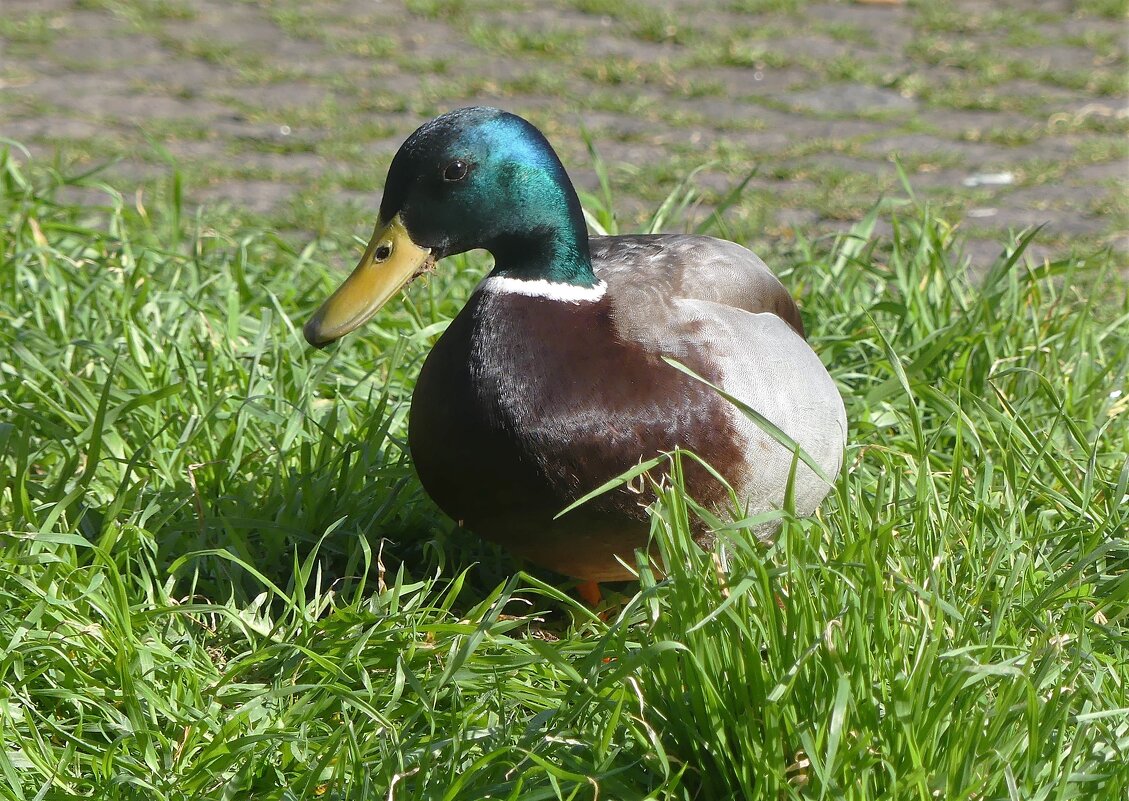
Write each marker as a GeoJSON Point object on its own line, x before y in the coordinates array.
{"type": "Point", "coordinates": [221, 578]}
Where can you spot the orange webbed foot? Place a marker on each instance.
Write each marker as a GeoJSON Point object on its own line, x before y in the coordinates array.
{"type": "Point", "coordinates": [589, 592]}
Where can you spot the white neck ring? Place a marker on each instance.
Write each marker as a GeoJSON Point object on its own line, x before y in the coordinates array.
{"type": "Point", "coordinates": [541, 288]}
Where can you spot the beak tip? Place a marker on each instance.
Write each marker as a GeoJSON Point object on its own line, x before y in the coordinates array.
{"type": "Point", "coordinates": [312, 332]}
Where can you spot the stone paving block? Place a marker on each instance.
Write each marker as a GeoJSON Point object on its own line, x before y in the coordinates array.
{"type": "Point", "coordinates": [848, 98]}
{"type": "Point", "coordinates": [970, 154]}
{"type": "Point", "coordinates": [748, 82]}
{"type": "Point", "coordinates": [258, 196]}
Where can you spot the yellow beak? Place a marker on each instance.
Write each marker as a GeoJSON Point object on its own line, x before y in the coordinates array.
{"type": "Point", "coordinates": [391, 260]}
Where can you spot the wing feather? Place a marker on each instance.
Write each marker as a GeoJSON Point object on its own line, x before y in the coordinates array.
{"type": "Point", "coordinates": [649, 272]}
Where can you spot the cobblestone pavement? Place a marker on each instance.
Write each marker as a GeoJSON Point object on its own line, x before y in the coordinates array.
{"type": "Point", "coordinates": [1004, 114]}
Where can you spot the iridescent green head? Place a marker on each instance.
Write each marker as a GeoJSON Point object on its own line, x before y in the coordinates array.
{"type": "Point", "coordinates": [472, 178]}
{"type": "Point", "coordinates": [484, 178]}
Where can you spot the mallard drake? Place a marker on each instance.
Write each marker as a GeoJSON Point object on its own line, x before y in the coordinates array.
{"type": "Point", "coordinates": [552, 379]}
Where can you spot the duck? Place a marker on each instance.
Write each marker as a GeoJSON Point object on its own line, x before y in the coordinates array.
{"type": "Point", "coordinates": [561, 372]}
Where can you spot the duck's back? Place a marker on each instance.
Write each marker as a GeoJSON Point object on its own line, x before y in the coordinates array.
{"type": "Point", "coordinates": [645, 272]}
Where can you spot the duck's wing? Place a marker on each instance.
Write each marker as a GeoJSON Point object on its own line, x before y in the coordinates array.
{"type": "Point", "coordinates": [647, 272]}
{"type": "Point", "coordinates": [716, 308]}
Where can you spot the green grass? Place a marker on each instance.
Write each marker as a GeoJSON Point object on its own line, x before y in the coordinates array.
{"type": "Point", "coordinates": [222, 580]}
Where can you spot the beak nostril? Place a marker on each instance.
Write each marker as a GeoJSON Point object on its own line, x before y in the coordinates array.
{"type": "Point", "coordinates": [383, 251]}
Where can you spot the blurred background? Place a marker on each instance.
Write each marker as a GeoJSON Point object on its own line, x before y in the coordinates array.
{"type": "Point", "coordinates": [286, 112]}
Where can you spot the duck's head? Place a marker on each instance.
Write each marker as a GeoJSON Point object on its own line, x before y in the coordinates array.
{"type": "Point", "coordinates": [472, 178]}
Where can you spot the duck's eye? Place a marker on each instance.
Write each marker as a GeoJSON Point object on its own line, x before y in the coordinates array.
{"type": "Point", "coordinates": [456, 170]}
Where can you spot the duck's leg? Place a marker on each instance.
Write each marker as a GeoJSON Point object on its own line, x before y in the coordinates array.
{"type": "Point", "coordinates": [589, 592]}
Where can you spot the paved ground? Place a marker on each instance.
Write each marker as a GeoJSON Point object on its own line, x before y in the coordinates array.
{"type": "Point", "coordinates": [1005, 114]}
